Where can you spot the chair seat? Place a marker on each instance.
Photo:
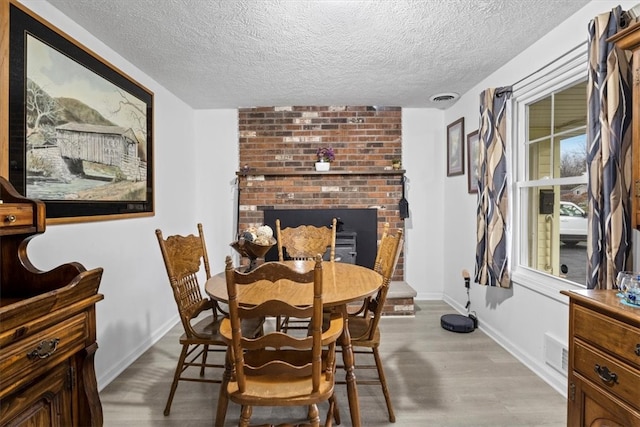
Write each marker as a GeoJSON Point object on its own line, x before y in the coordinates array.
{"type": "Point", "coordinates": [296, 393]}
{"type": "Point", "coordinates": [359, 331]}
{"type": "Point", "coordinates": [207, 331]}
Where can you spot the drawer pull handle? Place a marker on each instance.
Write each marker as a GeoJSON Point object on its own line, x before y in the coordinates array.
{"type": "Point", "coordinates": [637, 350]}
{"type": "Point", "coordinates": [606, 375]}
{"type": "Point", "coordinates": [10, 219]}
{"type": "Point", "coordinates": [44, 350]}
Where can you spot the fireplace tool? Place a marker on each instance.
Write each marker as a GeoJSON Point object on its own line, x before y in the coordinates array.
{"type": "Point", "coordinates": [403, 205]}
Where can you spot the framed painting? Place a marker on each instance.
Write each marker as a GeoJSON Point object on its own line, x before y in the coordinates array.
{"type": "Point", "coordinates": [80, 131]}
{"type": "Point", "coordinates": [473, 149]}
{"type": "Point", "coordinates": [455, 148]}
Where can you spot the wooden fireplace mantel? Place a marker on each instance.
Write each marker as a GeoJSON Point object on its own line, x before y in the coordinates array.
{"type": "Point", "coordinates": [271, 172]}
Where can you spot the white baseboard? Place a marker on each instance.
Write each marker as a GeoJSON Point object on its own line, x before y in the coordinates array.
{"type": "Point", "coordinates": [106, 378]}
{"type": "Point", "coordinates": [552, 377]}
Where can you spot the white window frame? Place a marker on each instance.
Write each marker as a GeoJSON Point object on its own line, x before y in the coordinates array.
{"type": "Point", "coordinates": [567, 70]}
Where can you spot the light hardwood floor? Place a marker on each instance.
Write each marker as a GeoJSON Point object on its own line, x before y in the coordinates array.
{"type": "Point", "coordinates": [436, 378]}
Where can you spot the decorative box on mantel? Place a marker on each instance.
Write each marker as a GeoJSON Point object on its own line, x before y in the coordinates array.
{"type": "Point", "coordinates": [323, 166]}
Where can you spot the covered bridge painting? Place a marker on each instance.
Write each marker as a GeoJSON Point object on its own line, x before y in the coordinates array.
{"type": "Point", "coordinates": [108, 145]}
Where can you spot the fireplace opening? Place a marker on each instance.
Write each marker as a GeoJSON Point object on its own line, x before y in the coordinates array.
{"type": "Point", "coordinates": [346, 246]}
{"type": "Point", "coordinates": [355, 226]}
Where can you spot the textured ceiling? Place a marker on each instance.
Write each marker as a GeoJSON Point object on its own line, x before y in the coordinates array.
{"type": "Point", "coordinates": [243, 53]}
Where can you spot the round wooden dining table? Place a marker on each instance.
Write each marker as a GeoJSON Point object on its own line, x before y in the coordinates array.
{"type": "Point", "coordinates": [342, 283]}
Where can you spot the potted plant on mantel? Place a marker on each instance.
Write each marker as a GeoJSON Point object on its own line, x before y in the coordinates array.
{"type": "Point", "coordinates": [325, 156]}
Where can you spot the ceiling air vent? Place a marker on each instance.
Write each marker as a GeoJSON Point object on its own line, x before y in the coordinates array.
{"type": "Point", "coordinates": [443, 97]}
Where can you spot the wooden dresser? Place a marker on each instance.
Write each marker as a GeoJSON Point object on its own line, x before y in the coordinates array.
{"type": "Point", "coordinates": [629, 39]}
{"type": "Point", "coordinates": [47, 328]}
{"type": "Point", "coordinates": [604, 360]}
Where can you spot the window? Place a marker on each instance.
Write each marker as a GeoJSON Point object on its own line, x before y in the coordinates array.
{"type": "Point", "coordinates": [550, 200]}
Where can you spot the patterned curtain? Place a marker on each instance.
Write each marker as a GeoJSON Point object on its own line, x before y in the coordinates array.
{"type": "Point", "coordinates": [492, 262]}
{"type": "Point", "coordinates": [609, 155]}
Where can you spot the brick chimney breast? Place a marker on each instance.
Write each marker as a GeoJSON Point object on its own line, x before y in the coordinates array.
{"type": "Point", "coordinates": [278, 145]}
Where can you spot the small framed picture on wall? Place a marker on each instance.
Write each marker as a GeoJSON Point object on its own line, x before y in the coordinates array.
{"type": "Point", "coordinates": [473, 148]}
{"type": "Point", "coordinates": [455, 148]}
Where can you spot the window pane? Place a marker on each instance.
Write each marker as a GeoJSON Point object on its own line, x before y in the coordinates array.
{"type": "Point", "coordinates": [540, 160]}
{"type": "Point", "coordinates": [570, 109]}
{"type": "Point", "coordinates": [555, 225]}
{"type": "Point", "coordinates": [573, 228]}
{"type": "Point", "coordinates": [540, 233]}
{"type": "Point", "coordinates": [540, 119]}
{"type": "Point", "coordinates": [573, 154]}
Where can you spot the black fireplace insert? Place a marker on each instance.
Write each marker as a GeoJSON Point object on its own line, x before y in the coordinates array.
{"type": "Point", "coordinates": [362, 224]}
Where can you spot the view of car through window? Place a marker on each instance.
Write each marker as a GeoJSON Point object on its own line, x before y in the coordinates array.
{"type": "Point", "coordinates": [573, 239]}
{"type": "Point", "coordinates": [573, 224]}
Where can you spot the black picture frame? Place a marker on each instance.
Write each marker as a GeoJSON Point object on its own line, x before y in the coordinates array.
{"type": "Point", "coordinates": [69, 108]}
{"type": "Point", "coordinates": [473, 150]}
{"type": "Point", "coordinates": [455, 148]}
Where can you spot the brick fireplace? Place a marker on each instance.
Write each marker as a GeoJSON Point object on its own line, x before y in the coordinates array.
{"type": "Point", "coordinates": [277, 155]}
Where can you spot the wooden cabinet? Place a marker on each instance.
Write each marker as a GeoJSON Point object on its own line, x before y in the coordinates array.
{"type": "Point", "coordinates": [604, 360]}
{"type": "Point", "coordinates": [629, 39]}
{"type": "Point", "coordinates": [47, 328]}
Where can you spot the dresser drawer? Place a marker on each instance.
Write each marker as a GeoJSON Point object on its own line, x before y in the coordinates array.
{"type": "Point", "coordinates": [592, 405]}
{"type": "Point", "coordinates": [607, 372]}
{"type": "Point", "coordinates": [16, 215]}
{"type": "Point", "coordinates": [610, 335]}
{"type": "Point", "coordinates": [27, 359]}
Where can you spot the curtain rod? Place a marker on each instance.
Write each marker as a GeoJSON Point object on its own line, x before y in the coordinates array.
{"type": "Point", "coordinates": [509, 89]}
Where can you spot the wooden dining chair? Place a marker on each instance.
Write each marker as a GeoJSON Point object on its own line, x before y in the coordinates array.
{"type": "Point", "coordinates": [183, 258]}
{"type": "Point", "coordinates": [303, 243]}
{"type": "Point", "coordinates": [358, 307]}
{"type": "Point", "coordinates": [277, 368]}
{"type": "Point", "coordinates": [363, 325]}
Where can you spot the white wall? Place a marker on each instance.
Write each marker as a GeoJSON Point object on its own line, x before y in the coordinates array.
{"type": "Point", "coordinates": [422, 149]}
{"type": "Point", "coordinates": [138, 306]}
{"type": "Point", "coordinates": [518, 317]}
{"type": "Point", "coordinates": [217, 158]}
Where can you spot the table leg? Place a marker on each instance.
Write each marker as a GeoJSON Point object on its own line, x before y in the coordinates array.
{"type": "Point", "coordinates": [349, 367]}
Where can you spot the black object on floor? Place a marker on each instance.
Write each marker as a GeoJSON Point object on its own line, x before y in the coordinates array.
{"type": "Point", "coordinates": [458, 323]}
